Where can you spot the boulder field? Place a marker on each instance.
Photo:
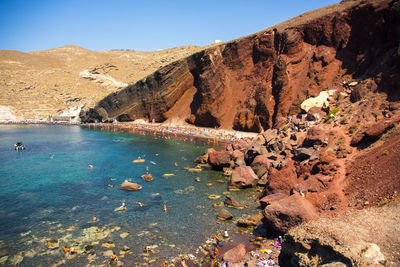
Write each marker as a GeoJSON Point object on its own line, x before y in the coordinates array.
{"type": "Point", "coordinates": [252, 83]}
{"type": "Point", "coordinates": [313, 177]}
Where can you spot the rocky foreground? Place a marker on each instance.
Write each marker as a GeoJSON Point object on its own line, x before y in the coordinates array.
{"type": "Point", "coordinates": [315, 171]}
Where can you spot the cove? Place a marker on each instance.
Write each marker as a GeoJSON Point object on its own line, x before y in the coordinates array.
{"type": "Point", "coordinates": [49, 195]}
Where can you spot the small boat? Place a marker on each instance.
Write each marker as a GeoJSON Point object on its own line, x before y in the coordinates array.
{"type": "Point", "coordinates": [19, 146]}
{"type": "Point", "coordinates": [139, 161]}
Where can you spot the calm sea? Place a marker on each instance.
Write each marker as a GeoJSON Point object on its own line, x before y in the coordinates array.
{"type": "Point", "coordinates": [49, 195]}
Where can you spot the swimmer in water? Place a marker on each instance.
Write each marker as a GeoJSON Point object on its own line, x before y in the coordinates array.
{"type": "Point", "coordinates": [90, 166]}
{"type": "Point", "coordinates": [122, 207]}
{"type": "Point", "coordinates": [165, 208]}
{"type": "Point", "coordinates": [139, 203]}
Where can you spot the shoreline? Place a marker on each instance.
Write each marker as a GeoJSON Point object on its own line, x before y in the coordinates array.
{"type": "Point", "coordinates": [185, 133]}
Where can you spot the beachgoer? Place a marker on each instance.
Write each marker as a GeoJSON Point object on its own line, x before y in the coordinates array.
{"type": "Point", "coordinates": [94, 218]}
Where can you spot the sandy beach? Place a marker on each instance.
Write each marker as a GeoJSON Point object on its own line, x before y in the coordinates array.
{"type": "Point", "coordinates": [187, 132]}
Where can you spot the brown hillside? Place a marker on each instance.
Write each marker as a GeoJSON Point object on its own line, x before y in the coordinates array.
{"type": "Point", "coordinates": [40, 83]}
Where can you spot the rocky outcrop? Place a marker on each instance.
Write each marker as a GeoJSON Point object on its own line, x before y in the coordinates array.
{"type": "Point", "coordinates": [251, 83]}
{"type": "Point", "coordinates": [356, 238]}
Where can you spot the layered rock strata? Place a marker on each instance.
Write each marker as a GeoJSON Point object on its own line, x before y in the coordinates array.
{"type": "Point", "coordinates": [249, 84]}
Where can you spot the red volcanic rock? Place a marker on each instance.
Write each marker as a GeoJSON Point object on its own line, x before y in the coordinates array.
{"type": "Point", "coordinates": [235, 254]}
{"type": "Point", "coordinates": [315, 136]}
{"type": "Point", "coordinates": [327, 157]}
{"type": "Point", "coordinates": [260, 165]}
{"type": "Point", "coordinates": [254, 82]}
{"type": "Point", "coordinates": [283, 180]}
{"type": "Point", "coordinates": [243, 177]}
{"type": "Point", "coordinates": [373, 132]}
{"type": "Point", "coordinates": [219, 159]}
{"type": "Point", "coordinates": [315, 114]}
{"type": "Point", "coordinates": [267, 200]}
{"type": "Point", "coordinates": [281, 215]}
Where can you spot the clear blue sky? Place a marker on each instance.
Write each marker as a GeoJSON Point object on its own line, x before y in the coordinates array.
{"type": "Point", "coordinates": [30, 25]}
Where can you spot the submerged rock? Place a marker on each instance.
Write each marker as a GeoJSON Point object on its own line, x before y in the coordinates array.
{"type": "Point", "coordinates": [128, 186]}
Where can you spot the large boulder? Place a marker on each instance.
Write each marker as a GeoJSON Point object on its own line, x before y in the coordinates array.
{"type": "Point", "coordinates": [305, 153]}
{"type": "Point", "coordinates": [243, 177]}
{"type": "Point", "coordinates": [128, 186]}
{"type": "Point", "coordinates": [315, 136]}
{"type": "Point", "coordinates": [319, 101]}
{"type": "Point", "coordinates": [373, 132]}
{"type": "Point", "coordinates": [269, 135]}
{"type": "Point", "coordinates": [268, 199]}
{"type": "Point", "coordinates": [219, 159]}
{"type": "Point", "coordinates": [282, 215]}
{"type": "Point", "coordinates": [283, 180]}
{"type": "Point", "coordinates": [235, 254]}
{"type": "Point", "coordinates": [260, 165]}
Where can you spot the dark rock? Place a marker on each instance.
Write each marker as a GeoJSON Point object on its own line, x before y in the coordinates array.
{"type": "Point", "coordinates": [219, 159]}
{"type": "Point", "coordinates": [243, 177]}
{"type": "Point", "coordinates": [235, 254]}
{"type": "Point", "coordinates": [283, 214]}
{"type": "Point", "coordinates": [202, 159]}
{"type": "Point", "coordinates": [304, 153]}
{"type": "Point", "coordinates": [223, 215]}
{"type": "Point", "coordinates": [230, 201]}
{"type": "Point", "coordinates": [260, 165]}
{"type": "Point", "coordinates": [315, 136]}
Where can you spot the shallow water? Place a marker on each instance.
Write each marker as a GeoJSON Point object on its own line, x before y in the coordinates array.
{"type": "Point", "coordinates": [48, 191]}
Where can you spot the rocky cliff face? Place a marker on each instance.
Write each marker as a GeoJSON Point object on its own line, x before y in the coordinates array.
{"type": "Point", "coordinates": [250, 83]}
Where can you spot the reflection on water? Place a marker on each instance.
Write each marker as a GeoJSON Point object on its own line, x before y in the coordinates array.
{"type": "Point", "coordinates": [49, 196]}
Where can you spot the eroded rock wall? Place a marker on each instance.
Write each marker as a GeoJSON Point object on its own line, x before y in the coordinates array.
{"type": "Point", "coordinates": [250, 83]}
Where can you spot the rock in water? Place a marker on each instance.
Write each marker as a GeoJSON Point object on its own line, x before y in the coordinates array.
{"type": "Point", "coordinates": [128, 186]}
{"type": "Point", "coordinates": [223, 215]}
{"type": "Point", "coordinates": [148, 177]}
{"type": "Point", "coordinates": [235, 254]}
{"type": "Point", "coordinates": [243, 177]}
{"type": "Point", "coordinates": [230, 201]}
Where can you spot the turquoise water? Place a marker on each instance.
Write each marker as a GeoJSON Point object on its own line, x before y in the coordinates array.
{"type": "Point", "coordinates": [48, 192]}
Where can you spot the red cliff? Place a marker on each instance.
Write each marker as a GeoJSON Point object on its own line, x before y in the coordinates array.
{"type": "Point", "coordinates": [250, 83]}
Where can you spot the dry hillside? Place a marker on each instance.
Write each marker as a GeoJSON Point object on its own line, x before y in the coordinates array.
{"type": "Point", "coordinates": [40, 83]}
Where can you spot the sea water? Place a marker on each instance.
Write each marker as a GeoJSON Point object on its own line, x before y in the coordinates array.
{"type": "Point", "coordinates": [49, 194]}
